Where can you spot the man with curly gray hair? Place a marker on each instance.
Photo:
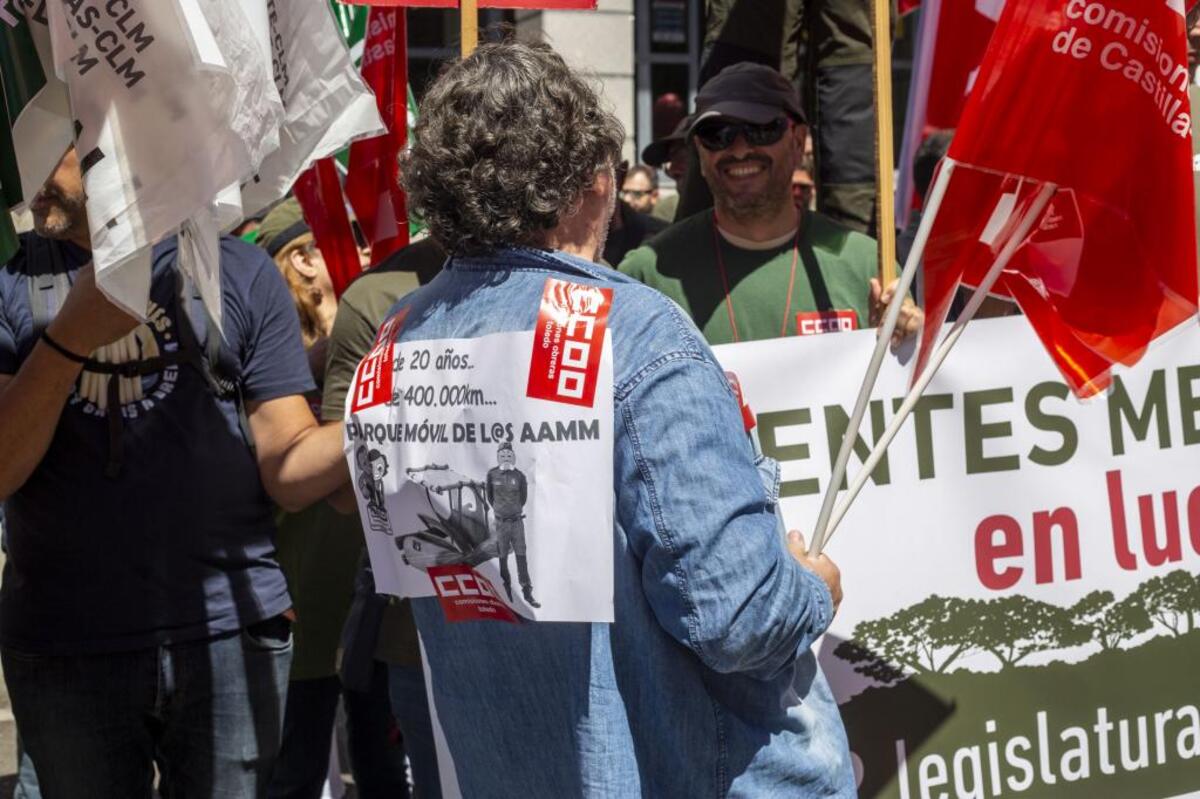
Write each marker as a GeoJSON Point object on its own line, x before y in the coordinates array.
{"type": "Point", "coordinates": [705, 683]}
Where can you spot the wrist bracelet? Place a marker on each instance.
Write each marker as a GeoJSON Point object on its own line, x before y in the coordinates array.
{"type": "Point", "coordinates": [61, 350]}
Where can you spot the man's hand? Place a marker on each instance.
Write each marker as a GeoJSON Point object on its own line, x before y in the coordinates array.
{"type": "Point", "coordinates": [87, 320]}
{"type": "Point", "coordinates": [822, 566]}
{"type": "Point", "coordinates": [911, 316]}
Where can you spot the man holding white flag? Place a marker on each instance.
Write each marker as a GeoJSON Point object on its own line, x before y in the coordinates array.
{"type": "Point", "coordinates": [144, 621]}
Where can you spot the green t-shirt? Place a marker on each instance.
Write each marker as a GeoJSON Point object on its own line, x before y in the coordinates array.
{"type": "Point", "coordinates": [318, 550]}
{"type": "Point", "coordinates": [833, 272]}
{"type": "Point", "coordinates": [361, 310]}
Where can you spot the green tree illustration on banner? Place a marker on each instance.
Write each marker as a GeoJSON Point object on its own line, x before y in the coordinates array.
{"type": "Point", "coordinates": [925, 638]}
{"type": "Point", "coordinates": [1111, 623]}
{"type": "Point", "coordinates": [1014, 627]}
{"type": "Point", "coordinates": [933, 635]}
{"type": "Point", "coordinates": [1172, 600]}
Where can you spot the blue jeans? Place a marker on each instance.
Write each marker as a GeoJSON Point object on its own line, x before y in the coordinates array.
{"type": "Point", "coordinates": [208, 713]}
{"type": "Point", "coordinates": [410, 706]}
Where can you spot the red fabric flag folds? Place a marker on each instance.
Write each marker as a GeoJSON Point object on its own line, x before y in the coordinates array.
{"type": "Point", "coordinates": [373, 179]}
{"type": "Point", "coordinates": [320, 196]}
{"type": "Point", "coordinates": [1090, 95]}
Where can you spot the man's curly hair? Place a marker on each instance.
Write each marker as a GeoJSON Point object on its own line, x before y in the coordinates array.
{"type": "Point", "coordinates": [507, 140]}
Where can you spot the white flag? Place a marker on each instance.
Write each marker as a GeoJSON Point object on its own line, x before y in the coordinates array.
{"type": "Point", "coordinates": [35, 99]}
{"type": "Point", "coordinates": [327, 104]}
{"type": "Point", "coordinates": [159, 133]}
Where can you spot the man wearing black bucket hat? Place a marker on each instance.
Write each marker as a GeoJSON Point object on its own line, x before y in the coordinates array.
{"type": "Point", "coordinates": [755, 266]}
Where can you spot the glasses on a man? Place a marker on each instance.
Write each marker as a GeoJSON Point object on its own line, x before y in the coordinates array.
{"type": "Point", "coordinates": [720, 134]}
{"type": "Point", "coordinates": [635, 194]}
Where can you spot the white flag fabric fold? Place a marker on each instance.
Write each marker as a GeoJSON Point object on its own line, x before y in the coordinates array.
{"type": "Point", "coordinates": [153, 142]}
{"type": "Point", "coordinates": [36, 101]}
{"type": "Point", "coordinates": [327, 104]}
{"type": "Point", "coordinates": [184, 113]}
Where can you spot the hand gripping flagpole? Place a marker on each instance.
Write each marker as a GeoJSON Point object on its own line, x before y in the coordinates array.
{"type": "Point", "coordinates": [1045, 194]}
{"type": "Point", "coordinates": [891, 317]}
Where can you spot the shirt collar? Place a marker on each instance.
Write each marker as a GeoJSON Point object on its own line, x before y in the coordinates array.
{"type": "Point", "coordinates": [531, 259]}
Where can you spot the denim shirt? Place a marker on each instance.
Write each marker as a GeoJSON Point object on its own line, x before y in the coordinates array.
{"type": "Point", "coordinates": [705, 685]}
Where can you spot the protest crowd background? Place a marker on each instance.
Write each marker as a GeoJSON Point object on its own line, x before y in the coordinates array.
{"type": "Point", "coordinates": [187, 604]}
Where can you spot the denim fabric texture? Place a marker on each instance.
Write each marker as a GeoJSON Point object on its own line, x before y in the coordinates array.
{"type": "Point", "coordinates": [410, 706]}
{"type": "Point", "coordinates": [208, 714]}
{"type": "Point", "coordinates": [705, 685]}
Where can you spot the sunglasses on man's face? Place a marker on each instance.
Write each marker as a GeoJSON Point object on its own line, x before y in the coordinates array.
{"type": "Point", "coordinates": [721, 134]}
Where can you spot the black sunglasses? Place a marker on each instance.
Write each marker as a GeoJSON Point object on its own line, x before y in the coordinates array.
{"type": "Point", "coordinates": [721, 134]}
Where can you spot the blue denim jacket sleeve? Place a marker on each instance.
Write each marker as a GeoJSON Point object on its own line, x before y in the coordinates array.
{"type": "Point", "coordinates": [696, 513]}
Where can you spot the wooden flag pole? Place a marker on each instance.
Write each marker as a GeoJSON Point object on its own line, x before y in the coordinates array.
{"type": "Point", "coordinates": [469, 13]}
{"type": "Point", "coordinates": [885, 162]}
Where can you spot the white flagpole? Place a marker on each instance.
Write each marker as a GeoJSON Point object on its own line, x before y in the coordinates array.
{"type": "Point", "coordinates": [1045, 194]}
{"type": "Point", "coordinates": [932, 206]}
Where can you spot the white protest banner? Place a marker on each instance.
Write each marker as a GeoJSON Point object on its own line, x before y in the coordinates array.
{"type": "Point", "coordinates": [1021, 579]}
{"type": "Point", "coordinates": [474, 455]}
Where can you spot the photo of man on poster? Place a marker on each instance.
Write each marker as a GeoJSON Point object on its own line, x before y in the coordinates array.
{"type": "Point", "coordinates": [507, 492]}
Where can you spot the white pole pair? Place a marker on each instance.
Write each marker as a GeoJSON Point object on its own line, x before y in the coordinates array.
{"type": "Point", "coordinates": [828, 520]}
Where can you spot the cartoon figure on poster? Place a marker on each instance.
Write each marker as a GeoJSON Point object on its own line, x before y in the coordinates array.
{"type": "Point", "coordinates": [372, 466]}
{"type": "Point", "coordinates": [457, 528]}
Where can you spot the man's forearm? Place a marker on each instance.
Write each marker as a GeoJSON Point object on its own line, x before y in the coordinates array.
{"type": "Point", "coordinates": [309, 469]}
{"type": "Point", "coordinates": [31, 403]}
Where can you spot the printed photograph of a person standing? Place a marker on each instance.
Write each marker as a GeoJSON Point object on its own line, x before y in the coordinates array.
{"type": "Point", "coordinates": [507, 491]}
{"type": "Point", "coordinates": [373, 465]}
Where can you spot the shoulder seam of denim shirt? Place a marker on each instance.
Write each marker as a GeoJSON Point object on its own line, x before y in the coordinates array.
{"type": "Point", "coordinates": [622, 392]}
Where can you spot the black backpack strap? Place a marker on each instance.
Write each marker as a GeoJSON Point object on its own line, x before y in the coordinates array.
{"type": "Point", "coordinates": [200, 338]}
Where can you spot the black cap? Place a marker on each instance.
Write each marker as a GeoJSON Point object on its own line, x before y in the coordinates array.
{"type": "Point", "coordinates": [658, 152]}
{"type": "Point", "coordinates": [749, 92]}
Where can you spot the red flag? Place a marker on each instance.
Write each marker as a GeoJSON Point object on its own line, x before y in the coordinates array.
{"type": "Point", "coordinates": [1111, 263]}
{"type": "Point", "coordinates": [320, 197]}
{"type": "Point", "coordinates": [373, 181]}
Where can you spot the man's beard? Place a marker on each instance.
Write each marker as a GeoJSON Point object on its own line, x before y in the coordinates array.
{"type": "Point", "coordinates": [759, 205]}
{"type": "Point", "coordinates": [57, 216]}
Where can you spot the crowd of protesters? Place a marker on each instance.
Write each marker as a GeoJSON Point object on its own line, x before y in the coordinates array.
{"type": "Point", "coordinates": [186, 599]}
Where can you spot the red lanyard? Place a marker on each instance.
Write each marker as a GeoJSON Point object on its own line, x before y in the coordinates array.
{"type": "Point", "coordinates": [787, 308]}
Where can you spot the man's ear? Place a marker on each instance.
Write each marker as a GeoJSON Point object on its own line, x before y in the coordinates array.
{"type": "Point", "coordinates": [605, 181]}
{"type": "Point", "coordinates": [800, 135]}
{"type": "Point", "coordinates": [301, 263]}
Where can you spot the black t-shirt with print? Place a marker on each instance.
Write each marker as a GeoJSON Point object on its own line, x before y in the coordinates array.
{"type": "Point", "coordinates": [180, 545]}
